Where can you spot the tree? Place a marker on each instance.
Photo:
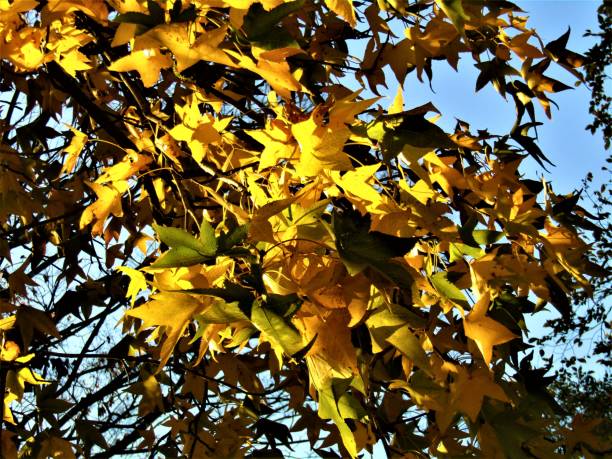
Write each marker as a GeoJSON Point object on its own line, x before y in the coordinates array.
{"type": "Point", "coordinates": [284, 256]}
{"type": "Point", "coordinates": [581, 347]}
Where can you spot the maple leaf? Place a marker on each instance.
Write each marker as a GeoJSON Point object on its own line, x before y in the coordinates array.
{"type": "Point", "coordinates": [581, 432]}
{"type": "Point", "coordinates": [468, 391]}
{"type": "Point", "coordinates": [73, 150]}
{"type": "Point", "coordinates": [320, 147]}
{"type": "Point", "coordinates": [138, 282]}
{"type": "Point", "coordinates": [148, 62]}
{"type": "Point", "coordinates": [316, 245]}
{"type": "Point", "coordinates": [360, 248]}
{"type": "Point", "coordinates": [281, 333]}
{"type": "Point", "coordinates": [151, 394]}
{"type": "Point", "coordinates": [272, 68]}
{"type": "Point", "coordinates": [277, 141]}
{"type": "Point", "coordinates": [344, 9]}
{"type": "Point", "coordinates": [332, 354]}
{"type": "Point", "coordinates": [454, 10]}
{"type": "Point", "coordinates": [75, 61]}
{"type": "Point", "coordinates": [322, 142]}
{"type": "Point", "coordinates": [187, 51]}
{"type": "Point", "coordinates": [15, 380]}
{"type": "Point", "coordinates": [108, 203]}
{"type": "Point", "coordinates": [173, 312]}
{"type": "Point", "coordinates": [57, 447]}
{"type": "Point", "coordinates": [24, 49]}
{"type": "Point", "coordinates": [94, 8]}
{"type": "Point", "coordinates": [485, 331]}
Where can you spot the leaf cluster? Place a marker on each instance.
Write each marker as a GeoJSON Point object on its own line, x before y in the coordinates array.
{"type": "Point", "coordinates": [211, 245]}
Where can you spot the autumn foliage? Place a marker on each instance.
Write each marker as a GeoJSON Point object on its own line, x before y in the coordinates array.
{"type": "Point", "coordinates": [217, 240]}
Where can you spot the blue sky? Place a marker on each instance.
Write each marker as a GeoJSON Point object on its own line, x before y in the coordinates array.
{"type": "Point", "coordinates": [563, 139]}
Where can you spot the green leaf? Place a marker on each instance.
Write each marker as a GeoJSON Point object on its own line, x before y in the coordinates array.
{"type": "Point", "coordinates": [486, 237]}
{"type": "Point", "coordinates": [394, 314]}
{"type": "Point", "coordinates": [475, 238]}
{"type": "Point", "coordinates": [394, 132]}
{"type": "Point", "coordinates": [179, 256]}
{"type": "Point", "coordinates": [360, 248]}
{"type": "Point", "coordinates": [350, 408]}
{"type": "Point", "coordinates": [284, 305]}
{"type": "Point", "coordinates": [454, 10]}
{"type": "Point", "coordinates": [241, 336]}
{"type": "Point", "coordinates": [281, 333]}
{"type": "Point", "coordinates": [258, 22]}
{"type": "Point", "coordinates": [233, 238]}
{"type": "Point", "coordinates": [512, 432]}
{"type": "Point", "coordinates": [458, 250]}
{"type": "Point", "coordinates": [329, 409]}
{"type": "Point", "coordinates": [177, 237]}
{"type": "Point", "coordinates": [409, 345]}
{"type": "Point", "coordinates": [262, 29]}
{"type": "Point", "coordinates": [448, 289]}
{"type": "Point", "coordinates": [207, 240]}
{"type": "Point", "coordinates": [220, 312]}
{"type": "Point", "coordinates": [155, 17]}
{"type": "Point", "coordinates": [230, 292]}
{"type": "Point", "coordinates": [394, 272]}
{"type": "Point", "coordinates": [509, 301]}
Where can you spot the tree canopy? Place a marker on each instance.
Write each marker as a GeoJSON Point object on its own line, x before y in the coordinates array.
{"type": "Point", "coordinates": [217, 240]}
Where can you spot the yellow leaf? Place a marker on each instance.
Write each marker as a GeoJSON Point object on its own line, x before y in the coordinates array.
{"type": "Point", "coordinates": [277, 74]}
{"type": "Point", "coordinates": [343, 8]}
{"type": "Point", "coordinates": [108, 202]}
{"type": "Point", "coordinates": [138, 283]}
{"type": "Point", "coordinates": [187, 50]}
{"type": "Point", "coordinates": [277, 141]}
{"type": "Point", "coordinates": [73, 150]}
{"type": "Point", "coordinates": [173, 311]}
{"type": "Point", "coordinates": [74, 61]}
{"type": "Point", "coordinates": [124, 169]}
{"type": "Point", "coordinates": [260, 228]}
{"type": "Point", "coordinates": [245, 4]}
{"type": "Point", "coordinates": [15, 381]}
{"type": "Point", "coordinates": [124, 33]}
{"type": "Point", "coordinates": [24, 48]}
{"type": "Point", "coordinates": [129, 6]}
{"type": "Point", "coordinates": [94, 8]}
{"type": "Point", "coordinates": [7, 11]}
{"type": "Point", "coordinates": [10, 351]}
{"type": "Point", "coordinates": [398, 103]}
{"type": "Point", "coordinates": [454, 10]}
{"type": "Point", "coordinates": [485, 331]}
{"type": "Point", "coordinates": [321, 146]}
{"type": "Point", "coordinates": [202, 136]}
{"type": "Point", "coordinates": [332, 354]}
{"type": "Point", "coordinates": [7, 323]}
{"type": "Point", "coordinates": [468, 390]}
{"type": "Point", "coordinates": [322, 142]}
{"type": "Point", "coordinates": [147, 62]}
{"type": "Point", "coordinates": [356, 183]}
